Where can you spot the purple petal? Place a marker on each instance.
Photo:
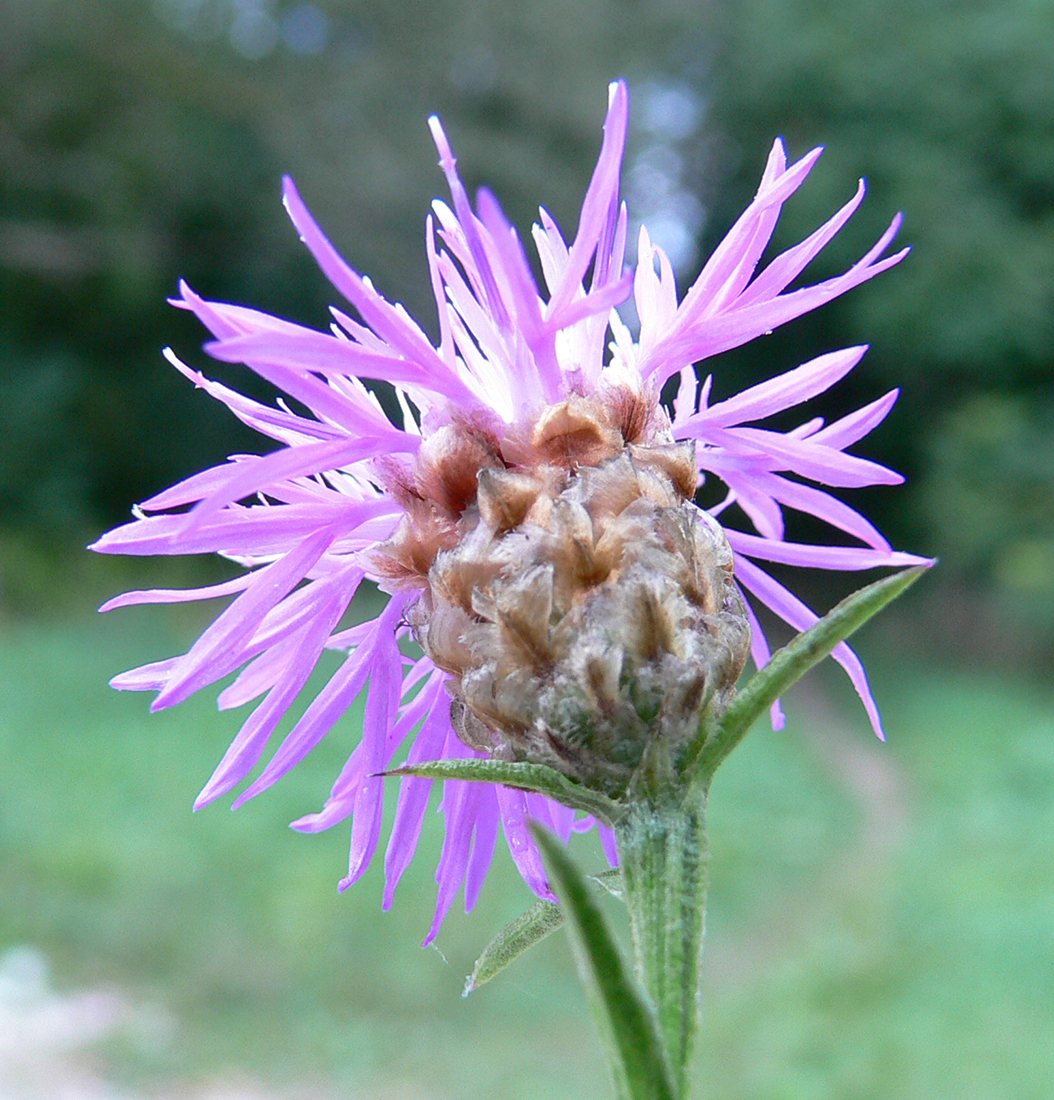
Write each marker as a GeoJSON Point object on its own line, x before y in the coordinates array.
{"type": "Point", "coordinates": [596, 302]}
{"type": "Point", "coordinates": [804, 457]}
{"type": "Point", "coordinates": [339, 805]}
{"type": "Point", "coordinates": [778, 275]}
{"type": "Point", "coordinates": [521, 292]}
{"type": "Point", "coordinates": [278, 424]}
{"type": "Point", "coordinates": [194, 488]}
{"type": "Point", "coordinates": [262, 672]}
{"type": "Point", "coordinates": [324, 400]}
{"type": "Point", "coordinates": [759, 651]}
{"type": "Point", "coordinates": [759, 493]}
{"type": "Point", "coordinates": [686, 400]}
{"type": "Point", "coordinates": [252, 738]}
{"type": "Point", "coordinates": [461, 801]}
{"type": "Point", "coordinates": [309, 350]}
{"type": "Point", "coordinates": [151, 677]}
{"type": "Point", "coordinates": [777, 394]}
{"type": "Point", "coordinates": [390, 323]}
{"type": "Point", "coordinates": [258, 531]}
{"type": "Point", "coordinates": [178, 595]}
{"type": "Point", "coordinates": [446, 346]}
{"type": "Point", "coordinates": [701, 338]}
{"type": "Point", "coordinates": [820, 557]}
{"type": "Point", "coordinates": [846, 432]}
{"type": "Point", "coordinates": [789, 608]}
{"type": "Point", "coordinates": [471, 228]}
{"type": "Point", "coordinates": [596, 206]}
{"type": "Point", "coordinates": [525, 854]}
{"type": "Point", "coordinates": [258, 475]}
{"type": "Point", "coordinates": [554, 817]}
{"type": "Point", "coordinates": [218, 651]}
{"type": "Point", "coordinates": [302, 605]}
{"type": "Point", "coordinates": [414, 792]}
{"type": "Point", "coordinates": [607, 843]}
{"type": "Point", "coordinates": [379, 657]}
{"type": "Point", "coordinates": [483, 842]}
{"type": "Point", "coordinates": [823, 506]}
{"type": "Point", "coordinates": [382, 704]}
{"type": "Point", "coordinates": [760, 507]}
{"type": "Point", "coordinates": [743, 242]}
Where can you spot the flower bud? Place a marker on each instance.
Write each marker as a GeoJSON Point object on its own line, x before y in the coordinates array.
{"type": "Point", "coordinates": [584, 610]}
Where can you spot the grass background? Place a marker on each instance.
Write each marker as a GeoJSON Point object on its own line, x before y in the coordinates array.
{"type": "Point", "coordinates": [881, 920]}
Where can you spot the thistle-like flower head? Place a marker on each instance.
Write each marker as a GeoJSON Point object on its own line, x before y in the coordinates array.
{"type": "Point", "coordinates": [529, 510]}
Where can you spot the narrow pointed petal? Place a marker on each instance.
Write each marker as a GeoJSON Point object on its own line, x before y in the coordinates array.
{"type": "Point", "coordinates": [524, 850]}
{"type": "Point", "coordinates": [821, 557]}
{"type": "Point", "coordinates": [805, 457]}
{"type": "Point", "coordinates": [414, 792]}
{"type": "Point", "coordinates": [377, 657]}
{"type": "Point", "coordinates": [484, 840]}
{"type": "Point", "coordinates": [391, 325]}
{"type": "Point", "coordinates": [252, 738]}
{"type": "Point", "coordinates": [461, 802]}
{"type": "Point", "coordinates": [780, 393]}
{"type": "Point", "coordinates": [178, 595]}
{"type": "Point", "coordinates": [793, 611]}
{"type": "Point", "coordinates": [779, 274]}
{"type": "Point", "coordinates": [742, 240]}
{"type": "Point", "coordinates": [603, 188]}
{"type": "Point", "coordinates": [217, 651]}
{"type": "Point", "coordinates": [761, 654]}
{"type": "Point", "coordinates": [852, 428]}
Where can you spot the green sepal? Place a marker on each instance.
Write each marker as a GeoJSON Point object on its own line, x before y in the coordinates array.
{"type": "Point", "coordinates": [626, 1022]}
{"type": "Point", "coordinates": [524, 777]}
{"type": "Point", "coordinates": [790, 663]}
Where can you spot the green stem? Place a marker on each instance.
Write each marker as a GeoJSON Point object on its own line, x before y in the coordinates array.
{"type": "Point", "coordinates": [663, 855]}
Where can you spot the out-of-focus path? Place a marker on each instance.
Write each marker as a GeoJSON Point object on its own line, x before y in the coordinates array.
{"type": "Point", "coordinates": [864, 768]}
{"type": "Point", "coordinates": [49, 1041]}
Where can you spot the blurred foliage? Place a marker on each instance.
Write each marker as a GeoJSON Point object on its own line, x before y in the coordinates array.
{"type": "Point", "coordinates": [141, 142]}
{"type": "Point", "coordinates": [991, 492]}
{"type": "Point", "coordinates": [881, 922]}
{"type": "Point", "coordinates": [948, 110]}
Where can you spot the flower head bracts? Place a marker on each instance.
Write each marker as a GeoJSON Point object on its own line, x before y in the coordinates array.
{"type": "Point", "coordinates": [308, 519]}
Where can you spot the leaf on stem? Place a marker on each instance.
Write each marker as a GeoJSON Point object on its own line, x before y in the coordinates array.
{"type": "Point", "coordinates": [791, 662]}
{"type": "Point", "coordinates": [627, 1024]}
{"type": "Point", "coordinates": [541, 920]}
{"type": "Point", "coordinates": [524, 777]}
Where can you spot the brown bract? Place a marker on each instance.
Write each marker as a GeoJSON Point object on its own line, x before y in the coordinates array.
{"type": "Point", "coordinates": [441, 484]}
{"type": "Point", "coordinates": [582, 604]}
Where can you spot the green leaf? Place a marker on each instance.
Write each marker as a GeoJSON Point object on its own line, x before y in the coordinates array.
{"type": "Point", "coordinates": [611, 880]}
{"type": "Point", "coordinates": [541, 920]}
{"type": "Point", "coordinates": [524, 777]}
{"type": "Point", "coordinates": [791, 662]}
{"type": "Point", "coordinates": [627, 1024]}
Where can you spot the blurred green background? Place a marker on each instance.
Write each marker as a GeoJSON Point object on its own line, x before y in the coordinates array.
{"type": "Point", "coordinates": [882, 919]}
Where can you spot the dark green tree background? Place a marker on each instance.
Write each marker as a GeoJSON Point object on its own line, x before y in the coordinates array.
{"type": "Point", "coordinates": [143, 141]}
{"type": "Point", "coordinates": [948, 110]}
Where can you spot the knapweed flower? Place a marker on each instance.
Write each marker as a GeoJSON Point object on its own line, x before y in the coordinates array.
{"type": "Point", "coordinates": [524, 498]}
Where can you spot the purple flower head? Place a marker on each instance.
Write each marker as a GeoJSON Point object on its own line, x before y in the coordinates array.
{"type": "Point", "coordinates": [309, 520]}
